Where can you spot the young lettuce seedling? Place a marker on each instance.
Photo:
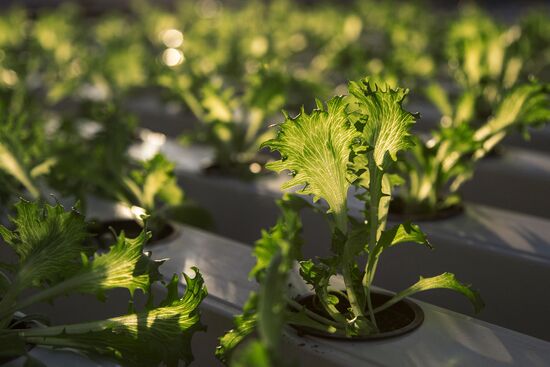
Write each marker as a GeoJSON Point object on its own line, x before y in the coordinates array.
{"type": "Point", "coordinates": [266, 311]}
{"type": "Point", "coordinates": [483, 58]}
{"type": "Point", "coordinates": [435, 169]}
{"type": "Point", "coordinates": [59, 52]}
{"type": "Point", "coordinates": [152, 189]}
{"type": "Point", "coordinates": [53, 260]}
{"type": "Point", "coordinates": [350, 142]}
{"type": "Point", "coordinates": [24, 154]}
{"type": "Point", "coordinates": [232, 121]}
{"type": "Point", "coordinates": [492, 102]}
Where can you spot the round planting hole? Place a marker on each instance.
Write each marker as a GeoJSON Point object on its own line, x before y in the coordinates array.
{"type": "Point", "coordinates": [399, 213]}
{"type": "Point", "coordinates": [398, 319]}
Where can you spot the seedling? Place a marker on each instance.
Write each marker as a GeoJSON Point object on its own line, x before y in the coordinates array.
{"type": "Point", "coordinates": [351, 142]}
{"type": "Point", "coordinates": [24, 154]}
{"type": "Point", "coordinates": [436, 168]}
{"type": "Point", "coordinates": [233, 123]}
{"type": "Point", "coordinates": [153, 190]}
{"type": "Point", "coordinates": [54, 261]}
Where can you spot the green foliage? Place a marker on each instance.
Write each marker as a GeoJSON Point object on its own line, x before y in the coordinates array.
{"type": "Point", "coordinates": [153, 190]}
{"type": "Point", "coordinates": [91, 150]}
{"type": "Point", "coordinates": [120, 62]}
{"type": "Point", "coordinates": [320, 172]}
{"type": "Point", "coordinates": [48, 242]}
{"type": "Point", "coordinates": [386, 123]}
{"type": "Point", "coordinates": [231, 120]}
{"type": "Point", "coordinates": [24, 151]}
{"type": "Point", "coordinates": [436, 169]}
{"type": "Point", "coordinates": [59, 54]}
{"type": "Point", "coordinates": [483, 54]}
{"type": "Point", "coordinates": [53, 259]}
{"type": "Point", "coordinates": [154, 180]}
{"type": "Point", "coordinates": [366, 131]}
{"type": "Point", "coordinates": [443, 281]}
{"type": "Point", "coordinates": [489, 64]}
{"type": "Point", "coordinates": [245, 325]}
{"type": "Point", "coordinates": [266, 311]}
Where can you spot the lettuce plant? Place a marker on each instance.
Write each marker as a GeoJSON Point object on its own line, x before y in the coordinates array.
{"type": "Point", "coordinates": [351, 142]}
{"type": "Point", "coordinates": [120, 62]}
{"type": "Point", "coordinates": [264, 312]}
{"type": "Point", "coordinates": [152, 189]}
{"type": "Point", "coordinates": [59, 50]}
{"type": "Point", "coordinates": [488, 101]}
{"type": "Point", "coordinates": [436, 167]}
{"type": "Point", "coordinates": [484, 59]}
{"type": "Point", "coordinates": [534, 44]}
{"type": "Point", "coordinates": [233, 122]}
{"type": "Point", "coordinates": [53, 261]}
{"type": "Point", "coordinates": [24, 154]}
{"type": "Point", "coordinates": [91, 147]}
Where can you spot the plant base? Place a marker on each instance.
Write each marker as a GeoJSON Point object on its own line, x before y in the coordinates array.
{"type": "Point", "coordinates": [399, 319]}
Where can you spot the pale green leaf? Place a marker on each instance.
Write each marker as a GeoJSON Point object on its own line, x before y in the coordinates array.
{"type": "Point", "coordinates": [43, 168]}
{"type": "Point", "coordinates": [443, 281]}
{"type": "Point", "coordinates": [386, 123]}
{"type": "Point", "coordinates": [525, 105]}
{"type": "Point", "coordinates": [10, 164]}
{"type": "Point", "coordinates": [245, 325]}
{"type": "Point", "coordinates": [316, 148]}
{"type": "Point", "coordinates": [47, 240]}
{"type": "Point", "coordinates": [124, 266]}
{"type": "Point", "coordinates": [145, 338]}
{"type": "Point", "coordinates": [439, 97]}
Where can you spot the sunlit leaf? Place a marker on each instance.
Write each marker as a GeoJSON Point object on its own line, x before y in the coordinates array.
{"type": "Point", "coordinates": [315, 148]}
{"type": "Point", "coordinates": [443, 281]}
{"type": "Point", "coordinates": [386, 123]}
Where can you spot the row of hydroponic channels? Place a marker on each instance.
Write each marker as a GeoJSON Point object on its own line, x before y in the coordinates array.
{"type": "Point", "coordinates": [357, 176]}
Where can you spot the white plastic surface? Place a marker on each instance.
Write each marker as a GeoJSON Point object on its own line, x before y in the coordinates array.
{"type": "Point", "coordinates": [445, 339]}
{"type": "Point", "coordinates": [62, 357]}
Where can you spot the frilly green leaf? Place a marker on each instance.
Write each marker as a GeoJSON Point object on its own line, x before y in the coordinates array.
{"type": "Point", "coordinates": [288, 228]}
{"type": "Point", "coordinates": [48, 241]}
{"type": "Point", "coordinates": [266, 311]}
{"type": "Point", "coordinates": [386, 123]}
{"type": "Point", "coordinates": [245, 325]}
{"type": "Point", "coordinates": [124, 266]}
{"type": "Point", "coordinates": [405, 232]}
{"type": "Point", "coordinates": [142, 339]}
{"type": "Point", "coordinates": [316, 148]}
{"type": "Point", "coordinates": [525, 105]}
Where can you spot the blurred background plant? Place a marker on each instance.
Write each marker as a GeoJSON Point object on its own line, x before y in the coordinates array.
{"type": "Point", "coordinates": [226, 71]}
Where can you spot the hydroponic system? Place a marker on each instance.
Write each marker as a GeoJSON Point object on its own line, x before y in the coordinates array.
{"type": "Point", "coordinates": [274, 183]}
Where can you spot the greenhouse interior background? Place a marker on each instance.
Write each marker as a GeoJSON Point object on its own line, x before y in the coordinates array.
{"type": "Point", "coordinates": [274, 183]}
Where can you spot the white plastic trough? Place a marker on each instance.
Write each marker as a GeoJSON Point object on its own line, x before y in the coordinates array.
{"type": "Point", "coordinates": [504, 254]}
{"type": "Point", "coordinates": [445, 338]}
